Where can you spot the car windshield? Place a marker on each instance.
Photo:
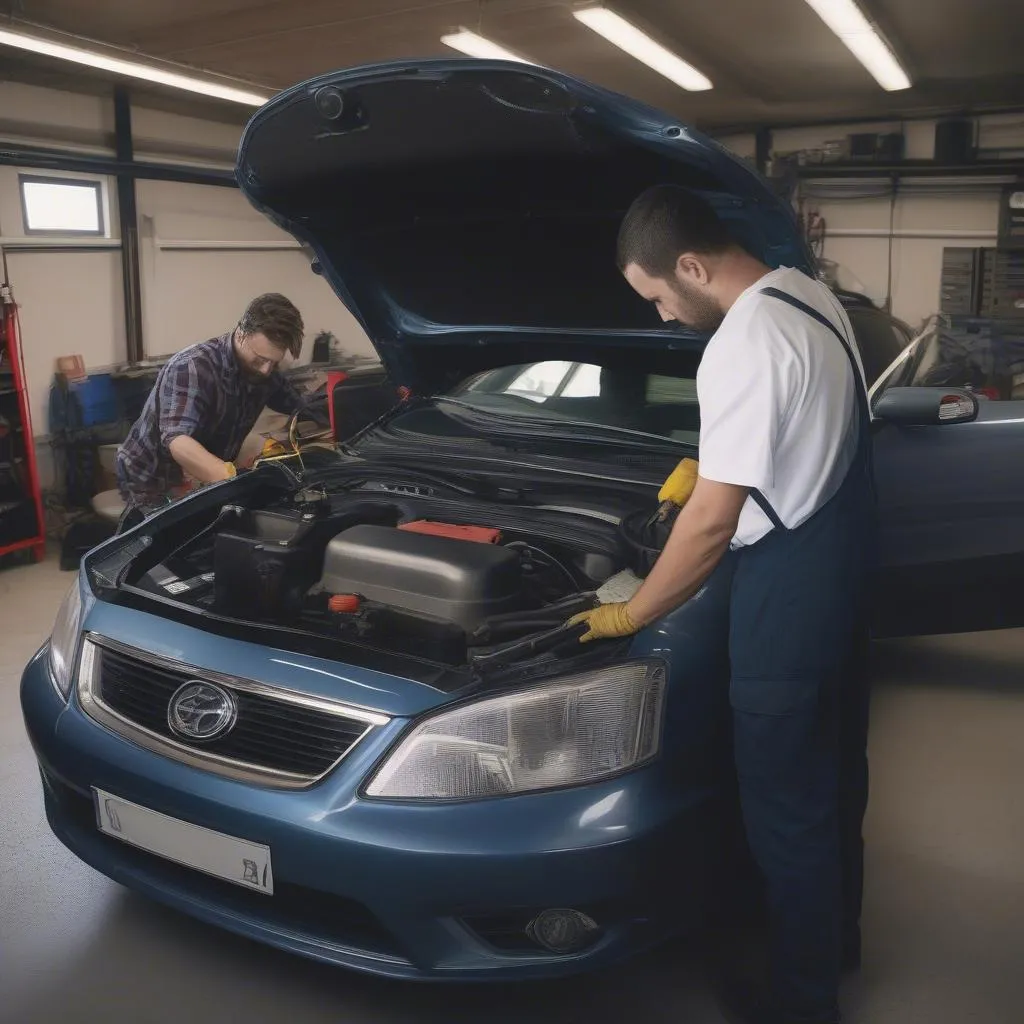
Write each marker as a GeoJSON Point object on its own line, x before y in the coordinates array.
{"type": "Point", "coordinates": [585, 393]}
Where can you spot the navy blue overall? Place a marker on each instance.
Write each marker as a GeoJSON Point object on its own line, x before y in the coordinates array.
{"type": "Point", "coordinates": [799, 708]}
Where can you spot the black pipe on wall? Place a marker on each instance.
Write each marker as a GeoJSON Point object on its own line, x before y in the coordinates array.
{"type": "Point", "coordinates": [128, 215]}
{"type": "Point", "coordinates": [62, 160]}
{"type": "Point", "coordinates": [762, 149]}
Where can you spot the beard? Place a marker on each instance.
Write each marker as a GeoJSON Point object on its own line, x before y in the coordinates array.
{"type": "Point", "coordinates": [702, 312]}
{"type": "Point", "coordinates": [247, 373]}
{"type": "Point", "coordinates": [250, 375]}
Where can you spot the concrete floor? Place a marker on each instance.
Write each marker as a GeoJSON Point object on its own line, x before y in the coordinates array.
{"type": "Point", "coordinates": [944, 919]}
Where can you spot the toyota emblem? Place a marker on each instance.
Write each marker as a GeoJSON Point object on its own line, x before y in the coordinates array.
{"type": "Point", "coordinates": [201, 711]}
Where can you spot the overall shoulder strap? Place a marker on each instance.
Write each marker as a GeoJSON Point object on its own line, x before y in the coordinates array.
{"type": "Point", "coordinates": [858, 380]}
{"type": "Point", "coordinates": [863, 411]}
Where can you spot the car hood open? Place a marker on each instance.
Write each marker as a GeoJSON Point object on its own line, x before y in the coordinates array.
{"type": "Point", "coordinates": [466, 211]}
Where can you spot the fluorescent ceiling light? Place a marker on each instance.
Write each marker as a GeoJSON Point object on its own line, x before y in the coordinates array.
{"type": "Point", "coordinates": [474, 45]}
{"type": "Point", "coordinates": [131, 68]}
{"type": "Point", "coordinates": [861, 38]}
{"type": "Point", "coordinates": [640, 45]}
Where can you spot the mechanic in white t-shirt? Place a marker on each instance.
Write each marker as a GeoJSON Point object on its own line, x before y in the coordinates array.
{"type": "Point", "coordinates": [785, 481]}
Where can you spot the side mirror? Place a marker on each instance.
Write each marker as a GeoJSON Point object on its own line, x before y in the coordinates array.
{"type": "Point", "coordinates": [923, 407]}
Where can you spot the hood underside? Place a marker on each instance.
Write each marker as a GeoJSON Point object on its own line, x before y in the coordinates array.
{"type": "Point", "coordinates": [466, 211]}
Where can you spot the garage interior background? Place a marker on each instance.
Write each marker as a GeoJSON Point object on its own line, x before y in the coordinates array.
{"type": "Point", "coordinates": [204, 251]}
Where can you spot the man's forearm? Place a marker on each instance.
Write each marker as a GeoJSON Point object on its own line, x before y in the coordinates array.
{"type": "Point", "coordinates": [696, 545]}
{"type": "Point", "coordinates": [284, 397]}
{"type": "Point", "coordinates": [196, 461]}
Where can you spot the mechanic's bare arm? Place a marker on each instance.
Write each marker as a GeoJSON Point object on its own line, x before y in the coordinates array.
{"type": "Point", "coordinates": [699, 539]}
{"type": "Point", "coordinates": [196, 461]}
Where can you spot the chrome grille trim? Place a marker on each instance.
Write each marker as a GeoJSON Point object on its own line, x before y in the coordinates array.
{"type": "Point", "coordinates": [241, 771]}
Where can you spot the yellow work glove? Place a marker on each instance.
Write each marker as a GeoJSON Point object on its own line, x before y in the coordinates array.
{"type": "Point", "coordinates": [272, 448]}
{"type": "Point", "coordinates": [680, 484]}
{"type": "Point", "coordinates": [606, 622]}
{"type": "Point", "coordinates": [676, 490]}
{"type": "Point", "coordinates": [229, 470]}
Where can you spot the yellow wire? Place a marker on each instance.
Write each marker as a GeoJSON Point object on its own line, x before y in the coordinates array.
{"type": "Point", "coordinates": [294, 455]}
{"type": "Point", "coordinates": [314, 441]}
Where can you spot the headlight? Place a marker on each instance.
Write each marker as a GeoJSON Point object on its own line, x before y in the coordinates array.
{"type": "Point", "coordinates": [64, 638]}
{"type": "Point", "coordinates": [577, 730]}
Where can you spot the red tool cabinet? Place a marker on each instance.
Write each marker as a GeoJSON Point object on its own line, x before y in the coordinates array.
{"type": "Point", "coordinates": [21, 504]}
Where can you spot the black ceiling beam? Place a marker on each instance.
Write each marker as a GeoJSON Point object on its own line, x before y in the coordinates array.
{"type": "Point", "coordinates": [882, 117]}
{"type": "Point", "coordinates": [63, 160]}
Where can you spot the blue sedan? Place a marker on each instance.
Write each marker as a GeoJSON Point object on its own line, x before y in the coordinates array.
{"type": "Point", "coordinates": [331, 704]}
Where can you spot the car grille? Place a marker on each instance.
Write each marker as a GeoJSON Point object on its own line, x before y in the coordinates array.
{"type": "Point", "coordinates": [277, 734]}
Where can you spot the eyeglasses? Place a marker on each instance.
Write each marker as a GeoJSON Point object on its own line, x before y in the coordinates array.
{"type": "Point", "coordinates": [260, 362]}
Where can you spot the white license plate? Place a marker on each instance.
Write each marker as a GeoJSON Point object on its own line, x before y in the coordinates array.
{"type": "Point", "coordinates": [234, 860]}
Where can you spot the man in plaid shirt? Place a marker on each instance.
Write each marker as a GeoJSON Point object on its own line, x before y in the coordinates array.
{"type": "Point", "coordinates": [204, 404]}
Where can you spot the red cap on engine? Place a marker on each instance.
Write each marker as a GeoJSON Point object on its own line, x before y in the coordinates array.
{"type": "Point", "coordinates": [343, 604]}
{"type": "Point", "coordinates": [454, 531]}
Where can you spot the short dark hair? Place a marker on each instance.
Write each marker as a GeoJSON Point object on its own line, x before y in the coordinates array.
{"type": "Point", "coordinates": [664, 222]}
{"type": "Point", "coordinates": [275, 317]}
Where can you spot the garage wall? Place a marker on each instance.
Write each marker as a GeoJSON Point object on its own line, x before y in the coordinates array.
{"type": "Point", "coordinates": [928, 214]}
{"type": "Point", "coordinates": [873, 261]}
{"type": "Point", "coordinates": [204, 251]}
{"type": "Point", "coordinates": [33, 115]}
{"type": "Point", "coordinates": [69, 291]}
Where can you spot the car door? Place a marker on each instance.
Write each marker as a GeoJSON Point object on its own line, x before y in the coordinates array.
{"type": "Point", "coordinates": [951, 494]}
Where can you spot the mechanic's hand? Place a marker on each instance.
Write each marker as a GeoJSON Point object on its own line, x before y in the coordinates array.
{"type": "Point", "coordinates": [606, 622]}
{"type": "Point", "coordinates": [272, 447]}
{"type": "Point", "coordinates": [680, 484]}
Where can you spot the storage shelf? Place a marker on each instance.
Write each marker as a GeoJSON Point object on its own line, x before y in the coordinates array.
{"type": "Point", "coordinates": [912, 169]}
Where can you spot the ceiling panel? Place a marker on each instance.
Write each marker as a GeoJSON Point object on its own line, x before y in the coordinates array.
{"type": "Point", "coordinates": [772, 61]}
{"type": "Point", "coordinates": [122, 21]}
{"type": "Point", "coordinates": [960, 38]}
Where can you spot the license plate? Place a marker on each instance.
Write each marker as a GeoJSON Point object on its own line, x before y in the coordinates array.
{"type": "Point", "coordinates": [233, 860]}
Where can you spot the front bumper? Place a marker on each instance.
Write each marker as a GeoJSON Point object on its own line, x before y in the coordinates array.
{"type": "Point", "coordinates": [408, 891]}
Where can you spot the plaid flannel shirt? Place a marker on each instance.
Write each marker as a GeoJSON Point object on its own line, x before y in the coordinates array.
{"type": "Point", "coordinates": [202, 393]}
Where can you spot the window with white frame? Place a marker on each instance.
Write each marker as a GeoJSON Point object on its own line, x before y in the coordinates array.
{"type": "Point", "coordinates": [62, 206]}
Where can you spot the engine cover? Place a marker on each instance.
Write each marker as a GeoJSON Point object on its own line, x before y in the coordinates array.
{"type": "Point", "coordinates": [449, 579]}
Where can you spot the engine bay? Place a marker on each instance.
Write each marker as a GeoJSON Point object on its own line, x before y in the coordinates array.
{"type": "Point", "coordinates": [450, 580]}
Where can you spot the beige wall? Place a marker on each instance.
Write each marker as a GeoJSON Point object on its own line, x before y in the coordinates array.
{"type": "Point", "coordinates": [38, 116]}
{"type": "Point", "coordinates": [968, 220]}
{"type": "Point", "coordinates": [70, 302]}
{"type": "Point", "coordinates": [204, 250]}
{"type": "Point", "coordinates": [857, 230]}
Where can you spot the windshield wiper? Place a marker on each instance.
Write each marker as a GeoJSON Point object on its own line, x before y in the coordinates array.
{"type": "Point", "coordinates": [381, 464]}
{"type": "Point", "coordinates": [503, 425]}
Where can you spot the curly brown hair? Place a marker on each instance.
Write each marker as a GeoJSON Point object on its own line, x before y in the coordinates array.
{"type": "Point", "coordinates": [277, 319]}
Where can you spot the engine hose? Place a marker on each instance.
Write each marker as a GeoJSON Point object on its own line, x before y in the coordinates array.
{"type": "Point", "coordinates": [226, 512]}
{"type": "Point", "coordinates": [511, 623]}
{"type": "Point", "coordinates": [484, 636]}
{"type": "Point", "coordinates": [644, 539]}
{"type": "Point", "coordinates": [536, 644]}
